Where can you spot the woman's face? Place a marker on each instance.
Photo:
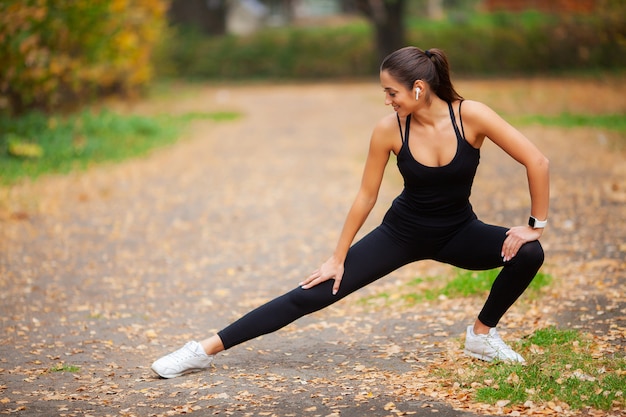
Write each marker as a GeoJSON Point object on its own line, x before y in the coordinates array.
{"type": "Point", "coordinates": [397, 95]}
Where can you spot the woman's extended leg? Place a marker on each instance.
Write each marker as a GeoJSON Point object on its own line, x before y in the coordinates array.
{"type": "Point", "coordinates": [371, 258]}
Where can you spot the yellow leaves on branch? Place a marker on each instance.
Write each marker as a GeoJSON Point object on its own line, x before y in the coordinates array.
{"type": "Point", "coordinates": [56, 51]}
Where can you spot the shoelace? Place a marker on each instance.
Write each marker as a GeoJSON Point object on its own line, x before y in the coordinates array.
{"type": "Point", "coordinates": [497, 343]}
{"type": "Point", "coordinates": [183, 354]}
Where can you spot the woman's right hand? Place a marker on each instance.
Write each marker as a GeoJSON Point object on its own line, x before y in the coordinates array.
{"type": "Point", "coordinates": [331, 269]}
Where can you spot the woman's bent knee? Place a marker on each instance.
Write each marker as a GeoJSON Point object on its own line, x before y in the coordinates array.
{"type": "Point", "coordinates": [531, 253]}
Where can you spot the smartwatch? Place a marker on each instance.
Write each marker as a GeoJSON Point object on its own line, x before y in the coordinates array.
{"type": "Point", "coordinates": [537, 224]}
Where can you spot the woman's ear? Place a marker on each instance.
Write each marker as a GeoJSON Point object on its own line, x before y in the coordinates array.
{"type": "Point", "coordinates": [418, 87]}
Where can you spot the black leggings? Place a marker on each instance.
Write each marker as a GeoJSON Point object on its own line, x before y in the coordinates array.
{"type": "Point", "coordinates": [477, 246]}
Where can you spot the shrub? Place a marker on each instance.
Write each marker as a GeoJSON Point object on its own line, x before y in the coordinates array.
{"type": "Point", "coordinates": [294, 53]}
{"type": "Point", "coordinates": [481, 44]}
{"type": "Point", "coordinates": [57, 53]}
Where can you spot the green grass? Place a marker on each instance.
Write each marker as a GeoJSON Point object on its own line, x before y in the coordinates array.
{"type": "Point", "coordinates": [615, 122]}
{"type": "Point", "coordinates": [467, 283]}
{"type": "Point", "coordinates": [36, 144]}
{"type": "Point", "coordinates": [462, 283]}
{"type": "Point", "coordinates": [65, 368]}
{"type": "Point", "coordinates": [562, 366]}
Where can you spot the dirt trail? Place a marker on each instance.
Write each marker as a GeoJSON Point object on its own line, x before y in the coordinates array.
{"type": "Point", "coordinates": [109, 269]}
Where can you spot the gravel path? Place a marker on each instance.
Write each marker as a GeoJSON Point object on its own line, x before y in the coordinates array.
{"type": "Point", "coordinates": [109, 269]}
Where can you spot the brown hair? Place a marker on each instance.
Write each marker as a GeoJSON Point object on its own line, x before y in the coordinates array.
{"type": "Point", "coordinates": [410, 64]}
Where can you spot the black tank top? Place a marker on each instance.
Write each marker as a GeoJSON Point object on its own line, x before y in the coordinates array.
{"type": "Point", "coordinates": [437, 196]}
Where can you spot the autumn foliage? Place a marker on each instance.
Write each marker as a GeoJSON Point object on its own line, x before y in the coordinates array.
{"type": "Point", "coordinates": [57, 53]}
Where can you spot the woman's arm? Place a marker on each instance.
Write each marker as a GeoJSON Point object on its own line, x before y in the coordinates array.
{"type": "Point", "coordinates": [380, 147]}
{"type": "Point", "coordinates": [484, 122]}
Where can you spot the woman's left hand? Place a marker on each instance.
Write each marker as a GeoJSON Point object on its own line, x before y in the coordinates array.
{"type": "Point", "coordinates": [515, 238]}
{"type": "Point", "coordinates": [331, 269]}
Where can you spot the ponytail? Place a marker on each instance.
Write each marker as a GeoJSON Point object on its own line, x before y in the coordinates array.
{"type": "Point", "coordinates": [411, 63]}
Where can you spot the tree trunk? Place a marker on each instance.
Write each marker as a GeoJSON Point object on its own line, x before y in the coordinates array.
{"type": "Point", "coordinates": [207, 15]}
{"type": "Point", "coordinates": [388, 19]}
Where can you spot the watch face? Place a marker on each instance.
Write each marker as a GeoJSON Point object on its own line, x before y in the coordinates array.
{"type": "Point", "coordinates": [536, 224]}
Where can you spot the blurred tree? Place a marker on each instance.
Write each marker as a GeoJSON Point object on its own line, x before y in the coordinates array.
{"type": "Point", "coordinates": [207, 15]}
{"type": "Point", "coordinates": [58, 53]}
{"type": "Point", "coordinates": [388, 19]}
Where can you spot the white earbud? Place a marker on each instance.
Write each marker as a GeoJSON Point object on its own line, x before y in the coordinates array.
{"type": "Point", "coordinates": [417, 93]}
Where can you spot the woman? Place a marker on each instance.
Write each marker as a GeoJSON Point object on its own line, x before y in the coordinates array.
{"type": "Point", "coordinates": [436, 136]}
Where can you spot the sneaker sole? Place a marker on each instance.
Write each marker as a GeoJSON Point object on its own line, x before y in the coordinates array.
{"type": "Point", "coordinates": [488, 359]}
{"type": "Point", "coordinates": [478, 356]}
{"type": "Point", "coordinates": [169, 376]}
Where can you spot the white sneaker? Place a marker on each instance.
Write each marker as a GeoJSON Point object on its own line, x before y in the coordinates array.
{"type": "Point", "coordinates": [189, 358]}
{"type": "Point", "coordinates": [489, 347]}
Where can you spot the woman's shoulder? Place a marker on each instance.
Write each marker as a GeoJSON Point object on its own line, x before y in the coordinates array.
{"type": "Point", "coordinates": [387, 124]}
{"type": "Point", "coordinates": [480, 121]}
{"type": "Point", "coordinates": [386, 133]}
{"type": "Point", "coordinates": [475, 110]}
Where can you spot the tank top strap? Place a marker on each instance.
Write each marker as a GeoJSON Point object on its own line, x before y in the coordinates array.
{"type": "Point", "coordinates": [405, 136]}
{"type": "Point", "coordinates": [453, 119]}
{"type": "Point", "coordinates": [461, 119]}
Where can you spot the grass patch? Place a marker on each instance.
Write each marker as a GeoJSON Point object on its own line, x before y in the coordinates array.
{"type": "Point", "coordinates": [222, 116]}
{"type": "Point", "coordinates": [37, 144]}
{"type": "Point", "coordinates": [615, 122]}
{"type": "Point", "coordinates": [564, 367]}
{"type": "Point", "coordinates": [62, 367]}
{"type": "Point", "coordinates": [468, 283]}
{"type": "Point", "coordinates": [462, 283]}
